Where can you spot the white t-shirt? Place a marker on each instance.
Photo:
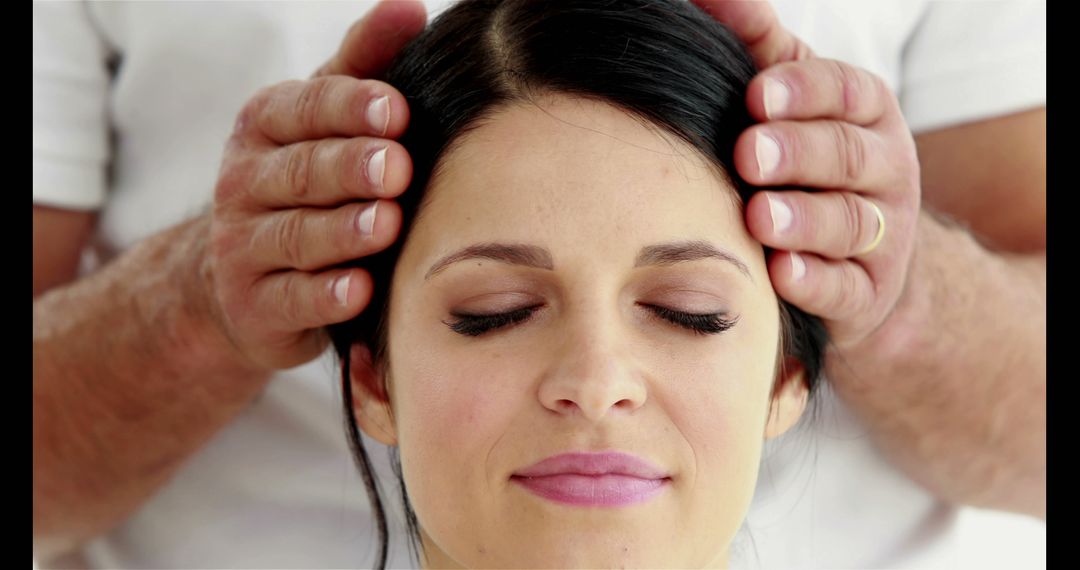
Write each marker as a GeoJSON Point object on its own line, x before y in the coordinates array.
{"type": "Point", "coordinates": [277, 487]}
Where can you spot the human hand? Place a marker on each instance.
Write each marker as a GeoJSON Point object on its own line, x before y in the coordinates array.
{"type": "Point", "coordinates": [836, 128]}
{"type": "Point", "coordinates": [305, 184]}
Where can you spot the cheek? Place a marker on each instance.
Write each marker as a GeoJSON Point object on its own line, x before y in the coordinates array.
{"type": "Point", "coordinates": [448, 408]}
{"type": "Point", "coordinates": [722, 416]}
{"type": "Point", "coordinates": [722, 388]}
{"type": "Point", "coordinates": [454, 413]}
{"type": "Point", "coordinates": [728, 437]}
{"type": "Point", "coordinates": [720, 406]}
{"type": "Point", "coordinates": [455, 396]}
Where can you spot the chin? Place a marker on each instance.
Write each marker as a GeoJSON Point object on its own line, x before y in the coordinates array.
{"type": "Point", "coordinates": [583, 559]}
{"type": "Point", "coordinates": [595, 550]}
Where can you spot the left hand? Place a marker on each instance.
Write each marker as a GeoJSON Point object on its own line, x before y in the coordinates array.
{"type": "Point", "coordinates": [837, 129]}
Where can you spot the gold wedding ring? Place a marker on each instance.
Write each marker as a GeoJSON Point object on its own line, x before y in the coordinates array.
{"type": "Point", "coordinates": [880, 230]}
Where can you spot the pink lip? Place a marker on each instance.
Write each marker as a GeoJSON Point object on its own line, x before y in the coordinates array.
{"type": "Point", "coordinates": [594, 479]}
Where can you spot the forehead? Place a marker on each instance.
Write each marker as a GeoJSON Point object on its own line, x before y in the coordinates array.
{"type": "Point", "coordinates": [568, 171]}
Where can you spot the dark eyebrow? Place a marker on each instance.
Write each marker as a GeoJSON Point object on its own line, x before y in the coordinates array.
{"type": "Point", "coordinates": [513, 253]}
{"type": "Point", "coordinates": [674, 252]}
{"type": "Point", "coordinates": [668, 253]}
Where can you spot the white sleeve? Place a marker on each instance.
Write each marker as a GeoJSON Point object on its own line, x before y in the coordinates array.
{"type": "Point", "coordinates": [71, 82]}
{"type": "Point", "coordinates": [969, 60]}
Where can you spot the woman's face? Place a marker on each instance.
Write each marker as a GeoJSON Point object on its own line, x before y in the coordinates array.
{"type": "Point", "coordinates": [600, 218]}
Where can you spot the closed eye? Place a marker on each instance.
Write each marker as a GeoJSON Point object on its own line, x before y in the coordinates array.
{"type": "Point", "coordinates": [700, 324]}
{"type": "Point", "coordinates": [707, 323]}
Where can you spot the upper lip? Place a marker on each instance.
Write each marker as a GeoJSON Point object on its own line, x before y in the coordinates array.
{"type": "Point", "coordinates": [609, 462]}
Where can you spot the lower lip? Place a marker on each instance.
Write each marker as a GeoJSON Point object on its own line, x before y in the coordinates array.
{"type": "Point", "coordinates": [593, 490]}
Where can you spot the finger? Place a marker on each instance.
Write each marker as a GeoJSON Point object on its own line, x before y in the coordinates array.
{"type": "Point", "coordinates": [819, 154]}
{"type": "Point", "coordinates": [303, 300]}
{"type": "Point", "coordinates": [820, 89]}
{"type": "Point", "coordinates": [833, 290]}
{"type": "Point", "coordinates": [309, 239]}
{"type": "Point", "coordinates": [756, 25]}
{"type": "Point", "coordinates": [336, 106]}
{"type": "Point", "coordinates": [326, 172]}
{"type": "Point", "coordinates": [373, 42]}
{"type": "Point", "coordinates": [835, 225]}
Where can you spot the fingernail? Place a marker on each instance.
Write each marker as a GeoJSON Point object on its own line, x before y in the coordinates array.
{"type": "Point", "coordinates": [798, 266]}
{"type": "Point", "coordinates": [341, 289]}
{"type": "Point", "coordinates": [365, 222]}
{"type": "Point", "coordinates": [376, 167]}
{"type": "Point", "coordinates": [768, 154]}
{"type": "Point", "coordinates": [776, 97]}
{"type": "Point", "coordinates": [780, 212]}
{"type": "Point", "coordinates": [378, 114]}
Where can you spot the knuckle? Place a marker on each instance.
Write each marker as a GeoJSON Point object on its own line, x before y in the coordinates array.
{"type": "Point", "coordinates": [235, 177]}
{"type": "Point", "coordinates": [798, 145]}
{"type": "Point", "coordinates": [264, 103]}
{"type": "Point", "coordinates": [288, 298]}
{"type": "Point", "coordinates": [252, 109]}
{"type": "Point", "coordinates": [855, 223]}
{"type": "Point", "coordinates": [299, 169]}
{"type": "Point", "coordinates": [289, 234]}
{"type": "Point", "coordinates": [852, 154]}
{"type": "Point", "coordinates": [847, 83]}
{"type": "Point", "coordinates": [311, 101]}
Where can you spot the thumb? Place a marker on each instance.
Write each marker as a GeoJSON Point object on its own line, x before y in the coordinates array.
{"type": "Point", "coordinates": [373, 41]}
{"type": "Point", "coordinates": [756, 25]}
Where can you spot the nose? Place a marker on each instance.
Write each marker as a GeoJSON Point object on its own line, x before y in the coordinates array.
{"type": "Point", "coordinates": [591, 376]}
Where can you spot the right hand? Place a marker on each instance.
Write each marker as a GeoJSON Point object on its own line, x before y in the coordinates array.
{"type": "Point", "coordinates": [297, 185]}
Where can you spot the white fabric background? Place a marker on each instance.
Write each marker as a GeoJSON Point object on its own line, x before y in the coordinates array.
{"type": "Point", "coordinates": [969, 60]}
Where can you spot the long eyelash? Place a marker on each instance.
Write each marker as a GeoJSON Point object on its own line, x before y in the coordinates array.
{"type": "Point", "coordinates": [713, 323]}
{"type": "Point", "coordinates": [476, 325]}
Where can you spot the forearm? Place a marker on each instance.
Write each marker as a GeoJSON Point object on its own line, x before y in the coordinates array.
{"type": "Point", "coordinates": [130, 378]}
{"type": "Point", "coordinates": [953, 387]}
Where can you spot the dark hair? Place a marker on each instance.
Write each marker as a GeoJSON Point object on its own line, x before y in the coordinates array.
{"type": "Point", "coordinates": [666, 63]}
